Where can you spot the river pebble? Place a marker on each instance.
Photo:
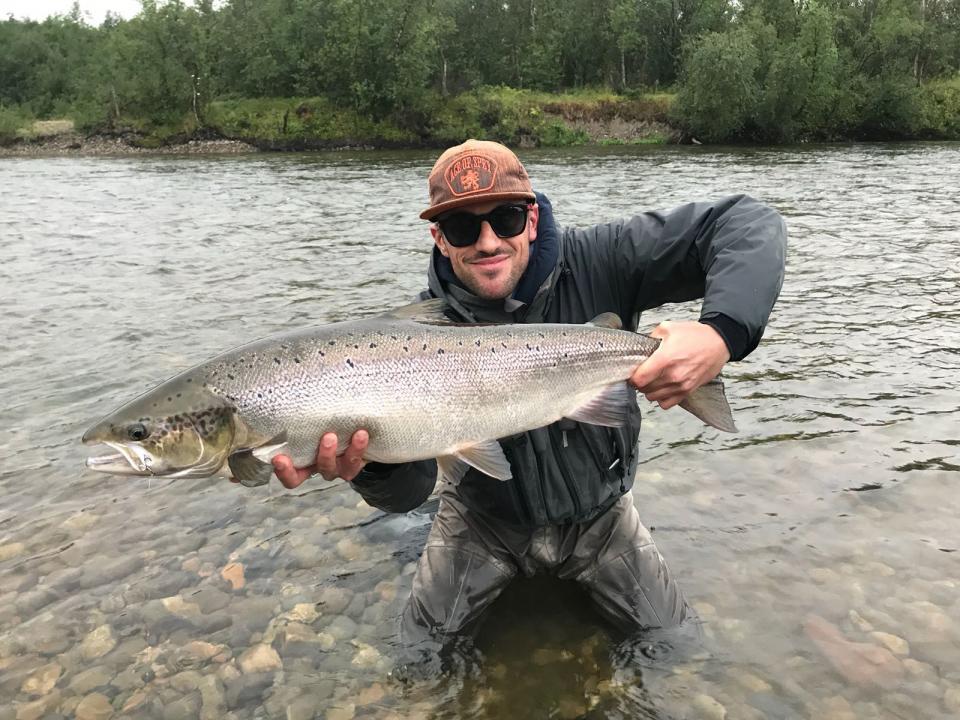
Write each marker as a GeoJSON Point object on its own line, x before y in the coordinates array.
{"type": "Point", "coordinates": [37, 709]}
{"type": "Point", "coordinates": [896, 645]}
{"type": "Point", "coordinates": [341, 712]}
{"type": "Point", "coordinates": [951, 699]}
{"type": "Point", "coordinates": [708, 707]}
{"type": "Point", "coordinates": [94, 706]}
{"type": "Point", "coordinates": [42, 680]}
{"type": "Point", "coordinates": [97, 643]}
{"type": "Point", "coordinates": [259, 659]}
{"type": "Point", "coordinates": [233, 573]}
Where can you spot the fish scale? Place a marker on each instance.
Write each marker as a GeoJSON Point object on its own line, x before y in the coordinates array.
{"type": "Point", "coordinates": [421, 387]}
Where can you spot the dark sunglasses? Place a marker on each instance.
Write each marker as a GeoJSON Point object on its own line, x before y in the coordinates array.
{"type": "Point", "coordinates": [462, 229]}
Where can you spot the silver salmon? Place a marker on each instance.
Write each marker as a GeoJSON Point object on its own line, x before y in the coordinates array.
{"type": "Point", "coordinates": [422, 387]}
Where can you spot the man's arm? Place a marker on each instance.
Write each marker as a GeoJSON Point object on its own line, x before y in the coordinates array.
{"type": "Point", "coordinates": [731, 253]}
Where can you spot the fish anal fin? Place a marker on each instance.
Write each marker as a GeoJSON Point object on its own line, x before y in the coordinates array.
{"type": "Point", "coordinates": [249, 470]}
{"type": "Point", "coordinates": [709, 403]}
{"type": "Point", "coordinates": [610, 407]}
{"type": "Point", "coordinates": [607, 320]}
{"type": "Point", "coordinates": [488, 458]}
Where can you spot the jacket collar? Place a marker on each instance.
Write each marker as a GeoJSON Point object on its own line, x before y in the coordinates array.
{"type": "Point", "coordinates": [529, 300]}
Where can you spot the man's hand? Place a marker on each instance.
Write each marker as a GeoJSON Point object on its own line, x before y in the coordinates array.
{"type": "Point", "coordinates": [328, 463]}
{"type": "Point", "coordinates": [690, 354]}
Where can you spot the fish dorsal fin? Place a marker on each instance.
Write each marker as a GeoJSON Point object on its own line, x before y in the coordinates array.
{"type": "Point", "coordinates": [451, 469]}
{"type": "Point", "coordinates": [610, 407]}
{"type": "Point", "coordinates": [488, 458]}
{"type": "Point", "coordinates": [607, 320]}
{"type": "Point", "coordinates": [709, 403]}
{"type": "Point", "coordinates": [427, 311]}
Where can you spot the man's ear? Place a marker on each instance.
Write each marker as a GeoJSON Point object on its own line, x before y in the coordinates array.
{"type": "Point", "coordinates": [438, 239]}
{"type": "Point", "coordinates": [533, 215]}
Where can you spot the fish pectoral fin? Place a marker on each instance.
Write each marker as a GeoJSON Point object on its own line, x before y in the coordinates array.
{"type": "Point", "coordinates": [451, 469]}
{"type": "Point", "coordinates": [488, 458]}
{"type": "Point", "coordinates": [248, 469]}
{"type": "Point", "coordinates": [427, 311]}
{"type": "Point", "coordinates": [709, 403]}
{"type": "Point", "coordinates": [610, 407]}
{"type": "Point", "coordinates": [607, 320]}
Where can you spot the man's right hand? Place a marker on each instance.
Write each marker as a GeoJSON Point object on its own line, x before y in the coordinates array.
{"type": "Point", "coordinates": [328, 463]}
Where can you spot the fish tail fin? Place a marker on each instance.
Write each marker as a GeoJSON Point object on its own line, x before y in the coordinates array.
{"type": "Point", "coordinates": [709, 403]}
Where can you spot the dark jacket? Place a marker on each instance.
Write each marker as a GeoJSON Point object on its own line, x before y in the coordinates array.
{"type": "Point", "coordinates": [731, 253]}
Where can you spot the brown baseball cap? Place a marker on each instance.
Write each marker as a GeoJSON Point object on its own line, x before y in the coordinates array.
{"type": "Point", "coordinates": [476, 171]}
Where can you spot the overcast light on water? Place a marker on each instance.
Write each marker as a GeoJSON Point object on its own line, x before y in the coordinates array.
{"type": "Point", "coordinates": [819, 545]}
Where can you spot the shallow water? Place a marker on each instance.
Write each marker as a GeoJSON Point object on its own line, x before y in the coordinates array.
{"type": "Point", "coordinates": [836, 499]}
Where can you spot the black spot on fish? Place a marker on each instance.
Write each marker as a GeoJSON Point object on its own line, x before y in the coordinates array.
{"type": "Point", "coordinates": [189, 380]}
{"type": "Point", "coordinates": [297, 360]}
{"type": "Point", "coordinates": [321, 353]}
{"type": "Point", "coordinates": [493, 350]}
{"type": "Point", "coordinates": [600, 344]}
{"type": "Point", "coordinates": [409, 338]}
{"type": "Point", "coordinates": [350, 362]}
{"type": "Point", "coordinates": [332, 343]}
{"type": "Point", "coordinates": [356, 347]}
{"type": "Point", "coordinates": [259, 394]}
{"type": "Point", "coordinates": [393, 337]}
{"type": "Point", "coordinates": [541, 334]}
{"type": "Point", "coordinates": [424, 346]}
{"type": "Point", "coordinates": [406, 349]}
{"type": "Point", "coordinates": [528, 347]}
{"type": "Point", "coordinates": [373, 345]}
{"type": "Point", "coordinates": [169, 399]}
{"type": "Point", "coordinates": [231, 376]}
{"type": "Point", "coordinates": [440, 351]}
{"type": "Point", "coordinates": [564, 334]}
{"type": "Point", "coordinates": [503, 344]}
{"type": "Point", "coordinates": [477, 342]}
{"type": "Point", "coordinates": [460, 343]}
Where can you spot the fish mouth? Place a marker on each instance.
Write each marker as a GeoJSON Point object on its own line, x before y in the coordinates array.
{"type": "Point", "coordinates": [126, 461]}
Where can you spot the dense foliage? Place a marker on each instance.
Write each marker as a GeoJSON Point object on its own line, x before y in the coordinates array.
{"type": "Point", "coordinates": [765, 70]}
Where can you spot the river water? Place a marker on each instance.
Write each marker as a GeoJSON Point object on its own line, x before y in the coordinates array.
{"type": "Point", "coordinates": [833, 514]}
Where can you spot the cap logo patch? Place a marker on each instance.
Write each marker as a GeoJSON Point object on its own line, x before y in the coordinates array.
{"type": "Point", "coordinates": [470, 174]}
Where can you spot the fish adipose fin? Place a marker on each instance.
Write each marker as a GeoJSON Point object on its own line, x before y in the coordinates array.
{"type": "Point", "coordinates": [610, 408]}
{"type": "Point", "coordinates": [253, 467]}
{"type": "Point", "coordinates": [709, 403]}
{"type": "Point", "coordinates": [486, 457]}
{"type": "Point", "coordinates": [607, 320]}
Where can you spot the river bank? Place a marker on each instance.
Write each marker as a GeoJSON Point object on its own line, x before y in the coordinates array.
{"type": "Point", "coordinates": [519, 119]}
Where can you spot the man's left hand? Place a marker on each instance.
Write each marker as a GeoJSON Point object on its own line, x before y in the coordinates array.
{"type": "Point", "coordinates": [690, 354]}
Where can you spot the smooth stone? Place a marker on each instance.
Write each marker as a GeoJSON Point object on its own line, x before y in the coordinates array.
{"type": "Point", "coordinates": [191, 565]}
{"type": "Point", "coordinates": [247, 690]}
{"type": "Point", "coordinates": [342, 628]}
{"type": "Point", "coordinates": [80, 521]}
{"type": "Point", "coordinates": [19, 581]}
{"type": "Point", "coordinates": [357, 605]}
{"type": "Point", "coordinates": [754, 684]}
{"type": "Point", "coordinates": [304, 613]}
{"type": "Point", "coordinates": [859, 622]}
{"type": "Point", "coordinates": [348, 549]}
{"type": "Point", "coordinates": [110, 572]}
{"type": "Point", "coordinates": [94, 706]}
{"type": "Point", "coordinates": [233, 574]}
{"type": "Point", "coordinates": [112, 604]}
{"type": "Point", "coordinates": [951, 699]}
{"type": "Point", "coordinates": [97, 643]}
{"type": "Point", "coordinates": [920, 669]}
{"type": "Point", "coordinates": [91, 679]}
{"type": "Point", "coordinates": [196, 652]}
{"type": "Point", "coordinates": [333, 600]}
{"type": "Point", "coordinates": [345, 711]}
{"type": "Point", "coordinates": [64, 580]}
{"type": "Point", "coordinates": [11, 550]}
{"type": "Point", "coordinates": [258, 659]}
{"type": "Point", "coordinates": [186, 681]}
{"type": "Point", "coordinates": [185, 708]}
{"type": "Point", "coordinates": [254, 612]}
{"type": "Point", "coordinates": [709, 708]}
{"type": "Point", "coordinates": [366, 656]}
{"type": "Point", "coordinates": [32, 602]}
{"type": "Point", "coordinates": [387, 590]}
{"type": "Point", "coordinates": [326, 642]}
{"type": "Point", "coordinates": [304, 707]}
{"type": "Point", "coordinates": [372, 694]}
{"type": "Point", "coordinates": [210, 599]}
{"type": "Point", "coordinates": [896, 645]}
{"type": "Point", "coordinates": [42, 680]}
{"type": "Point", "coordinates": [38, 708]}
{"type": "Point", "coordinates": [166, 584]}
{"type": "Point", "coordinates": [213, 698]}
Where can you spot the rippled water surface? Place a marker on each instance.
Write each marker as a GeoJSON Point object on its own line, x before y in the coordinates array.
{"type": "Point", "coordinates": [820, 545]}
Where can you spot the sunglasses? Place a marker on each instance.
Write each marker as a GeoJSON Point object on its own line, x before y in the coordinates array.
{"type": "Point", "coordinates": [462, 229]}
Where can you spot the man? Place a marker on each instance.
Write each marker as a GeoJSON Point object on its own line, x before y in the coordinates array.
{"type": "Point", "coordinates": [568, 510]}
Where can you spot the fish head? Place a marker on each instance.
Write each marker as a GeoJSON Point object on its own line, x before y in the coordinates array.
{"type": "Point", "coordinates": [155, 436]}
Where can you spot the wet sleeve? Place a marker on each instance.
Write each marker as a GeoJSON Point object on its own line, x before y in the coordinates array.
{"type": "Point", "coordinates": [396, 488]}
{"type": "Point", "coordinates": [730, 252]}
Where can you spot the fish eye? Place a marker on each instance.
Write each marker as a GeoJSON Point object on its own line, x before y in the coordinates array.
{"type": "Point", "coordinates": [137, 431]}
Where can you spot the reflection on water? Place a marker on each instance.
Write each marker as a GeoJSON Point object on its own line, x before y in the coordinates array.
{"type": "Point", "coordinates": [832, 508]}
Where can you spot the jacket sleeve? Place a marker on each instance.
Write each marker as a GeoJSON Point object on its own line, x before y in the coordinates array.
{"type": "Point", "coordinates": [730, 252]}
{"type": "Point", "coordinates": [396, 488]}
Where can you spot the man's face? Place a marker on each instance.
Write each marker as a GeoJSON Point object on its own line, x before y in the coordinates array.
{"type": "Point", "coordinates": [492, 266]}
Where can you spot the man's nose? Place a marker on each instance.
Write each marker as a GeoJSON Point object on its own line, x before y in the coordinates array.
{"type": "Point", "coordinates": [488, 241]}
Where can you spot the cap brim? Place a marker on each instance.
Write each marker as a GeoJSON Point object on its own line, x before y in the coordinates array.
{"type": "Point", "coordinates": [432, 212]}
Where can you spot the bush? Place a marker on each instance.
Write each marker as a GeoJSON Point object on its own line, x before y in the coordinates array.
{"type": "Point", "coordinates": [14, 124]}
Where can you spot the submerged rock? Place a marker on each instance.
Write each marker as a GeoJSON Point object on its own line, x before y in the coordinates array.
{"type": "Point", "coordinates": [861, 664]}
